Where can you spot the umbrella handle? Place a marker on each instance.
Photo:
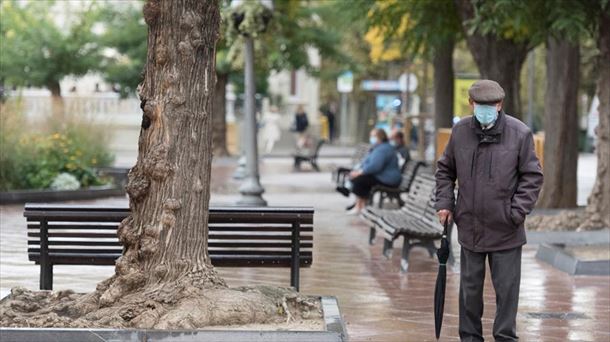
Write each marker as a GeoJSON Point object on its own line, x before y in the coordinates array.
{"type": "Point", "coordinates": [445, 225]}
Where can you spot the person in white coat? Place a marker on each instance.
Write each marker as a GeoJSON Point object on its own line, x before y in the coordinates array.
{"type": "Point", "coordinates": [271, 130]}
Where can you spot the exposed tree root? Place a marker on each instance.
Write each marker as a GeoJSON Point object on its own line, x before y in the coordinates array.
{"type": "Point", "coordinates": [170, 306]}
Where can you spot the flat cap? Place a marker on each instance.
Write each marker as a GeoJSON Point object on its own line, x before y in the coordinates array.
{"type": "Point", "coordinates": [486, 91]}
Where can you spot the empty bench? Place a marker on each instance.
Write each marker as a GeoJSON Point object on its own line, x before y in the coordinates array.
{"type": "Point", "coordinates": [309, 158]}
{"type": "Point", "coordinates": [238, 237]}
{"type": "Point", "coordinates": [415, 221]}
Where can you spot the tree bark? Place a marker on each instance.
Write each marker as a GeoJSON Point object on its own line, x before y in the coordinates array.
{"type": "Point", "coordinates": [219, 122]}
{"type": "Point", "coordinates": [561, 125]}
{"type": "Point", "coordinates": [598, 207]}
{"type": "Point", "coordinates": [165, 237]}
{"type": "Point", "coordinates": [443, 85]}
{"type": "Point", "coordinates": [496, 58]}
{"type": "Point", "coordinates": [57, 102]}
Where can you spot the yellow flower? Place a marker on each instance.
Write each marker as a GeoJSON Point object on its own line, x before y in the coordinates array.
{"type": "Point", "coordinates": [79, 153]}
{"type": "Point", "coordinates": [72, 158]}
{"type": "Point", "coordinates": [93, 161]}
{"type": "Point", "coordinates": [65, 150]}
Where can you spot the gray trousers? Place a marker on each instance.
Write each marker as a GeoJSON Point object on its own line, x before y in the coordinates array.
{"type": "Point", "coordinates": [505, 269]}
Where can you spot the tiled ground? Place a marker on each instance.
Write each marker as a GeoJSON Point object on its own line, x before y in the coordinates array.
{"type": "Point", "coordinates": [378, 302]}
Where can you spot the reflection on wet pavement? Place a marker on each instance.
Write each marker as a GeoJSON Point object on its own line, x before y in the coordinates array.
{"type": "Point", "coordinates": [378, 302]}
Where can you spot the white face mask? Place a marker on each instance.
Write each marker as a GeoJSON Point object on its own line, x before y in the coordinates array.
{"type": "Point", "coordinates": [373, 140]}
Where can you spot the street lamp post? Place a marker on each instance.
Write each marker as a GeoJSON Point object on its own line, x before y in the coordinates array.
{"type": "Point", "coordinates": [251, 189]}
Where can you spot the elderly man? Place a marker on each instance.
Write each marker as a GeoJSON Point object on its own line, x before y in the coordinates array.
{"type": "Point", "coordinates": [491, 156]}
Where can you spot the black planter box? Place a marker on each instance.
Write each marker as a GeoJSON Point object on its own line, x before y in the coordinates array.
{"type": "Point", "coordinates": [334, 332]}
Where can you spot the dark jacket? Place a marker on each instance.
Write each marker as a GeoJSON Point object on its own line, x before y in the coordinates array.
{"type": "Point", "coordinates": [382, 163]}
{"type": "Point", "coordinates": [499, 179]}
{"type": "Point", "coordinates": [300, 122]}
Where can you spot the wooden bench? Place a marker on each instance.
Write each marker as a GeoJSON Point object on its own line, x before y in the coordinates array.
{"type": "Point", "coordinates": [409, 170]}
{"type": "Point", "coordinates": [238, 237]}
{"type": "Point", "coordinates": [416, 221]}
{"type": "Point", "coordinates": [311, 158]}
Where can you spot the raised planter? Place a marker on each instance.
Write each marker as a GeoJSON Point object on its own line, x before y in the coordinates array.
{"type": "Point", "coordinates": [119, 180]}
{"type": "Point", "coordinates": [571, 238]}
{"type": "Point", "coordinates": [47, 195]}
{"type": "Point", "coordinates": [558, 257]}
{"type": "Point", "coordinates": [334, 332]}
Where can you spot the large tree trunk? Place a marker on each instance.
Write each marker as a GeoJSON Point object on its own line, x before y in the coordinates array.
{"type": "Point", "coordinates": [443, 85]}
{"type": "Point", "coordinates": [496, 58]}
{"type": "Point", "coordinates": [165, 237]}
{"type": "Point", "coordinates": [561, 125]}
{"type": "Point", "coordinates": [598, 207]}
{"type": "Point", "coordinates": [219, 122]}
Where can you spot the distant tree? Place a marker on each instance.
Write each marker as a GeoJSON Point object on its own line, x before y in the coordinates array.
{"type": "Point", "coordinates": [499, 35]}
{"type": "Point", "coordinates": [36, 51]}
{"type": "Point", "coordinates": [567, 22]}
{"type": "Point", "coordinates": [598, 205]}
{"type": "Point", "coordinates": [125, 33]}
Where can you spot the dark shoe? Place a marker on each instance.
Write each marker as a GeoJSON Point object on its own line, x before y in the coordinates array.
{"type": "Point", "coordinates": [350, 207]}
{"type": "Point", "coordinates": [343, 191]}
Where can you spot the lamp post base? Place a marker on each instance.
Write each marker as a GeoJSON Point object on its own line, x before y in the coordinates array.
{"type": "Point", "coordinates": [251, 194]}
{"type": "Point", "coordinates": [240, 171]}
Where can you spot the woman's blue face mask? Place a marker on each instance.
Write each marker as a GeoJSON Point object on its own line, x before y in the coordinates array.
{"type": "Point", "coordinates": [485, 114]}
{"type": "Point", "coordinates": [373, 140]}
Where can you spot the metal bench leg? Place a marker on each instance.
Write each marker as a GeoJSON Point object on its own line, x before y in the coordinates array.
{"type": "Point", "coordinates": [296, 257]}
{"type": "Point", "coordinates": [46, 268]}
{"type": "Point", "coordinates": [431, 248]}
{"type": "Point", "coordinates": [404, 261]}
{"type": "Point", "coordinates": [387, 248]}
{"type": "Point", "coordinates": [314, 164]}
{"type": "Point", "coordinates": [46, 277]}
{"type": "Point", "coordinates": [372, 234]}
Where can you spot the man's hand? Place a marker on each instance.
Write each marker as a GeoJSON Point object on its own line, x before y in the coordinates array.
{"type": "Point", "coordinates": [444, 215]}
{"type": "Point", "coordinates": [354, 174]}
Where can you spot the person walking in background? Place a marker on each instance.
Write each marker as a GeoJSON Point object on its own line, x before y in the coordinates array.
{"type": "Point", "coordinates": [491, 155]}
{"type": "Point", "coordinates": [379, 167]}
{"type": "Point", "coordinates": [329, 113]}
{"type": "Point", "coordinates": [300, 125]}
{"type": "Point", "coordinates": [271, 128]}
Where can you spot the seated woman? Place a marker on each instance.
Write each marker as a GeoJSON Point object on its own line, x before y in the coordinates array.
{"type": "Point", "coordinates": [379, 167]}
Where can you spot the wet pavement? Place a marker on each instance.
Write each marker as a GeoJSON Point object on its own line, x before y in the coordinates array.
{"type": "Point", "coordinates": [378, 302]}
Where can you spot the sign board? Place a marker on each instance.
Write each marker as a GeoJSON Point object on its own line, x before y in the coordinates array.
{"type": "Point", "coordinates": [461, 107]}
{"type": "Point", "coordinates": [410, 82]}
{"type": "Point", "coordinates": [345, 82]}
{"type": "Point", "coordinates": [380, 85]}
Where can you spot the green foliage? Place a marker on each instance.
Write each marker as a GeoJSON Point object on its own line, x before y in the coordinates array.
{"type": "Point", "coordinates": [294, 27]}
{"type": "Point", "coordinates": [32, 160]}
{"type": "Point", "coordinates": [417, 26]}
{"type": "Point", "coordinates": [126, 33]}
{"type": "Point", "coordinates": [36, 51]}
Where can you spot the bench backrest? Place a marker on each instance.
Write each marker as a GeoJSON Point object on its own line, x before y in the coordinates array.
{"type": "Point", "coordinates": [238, 236]}
{"type": "Point", "coordinates": [409, 170]}
{"type": "Point", "coordinates": [419, 195]}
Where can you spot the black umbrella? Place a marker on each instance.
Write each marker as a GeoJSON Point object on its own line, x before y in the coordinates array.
{"type": "Point", "coordinates": [439, 293]}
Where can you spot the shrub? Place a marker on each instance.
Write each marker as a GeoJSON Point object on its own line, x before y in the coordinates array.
{"type": "Point", "coordinates": [32, 159]}
{"type": "Point", "coordinates": [65, 181]}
